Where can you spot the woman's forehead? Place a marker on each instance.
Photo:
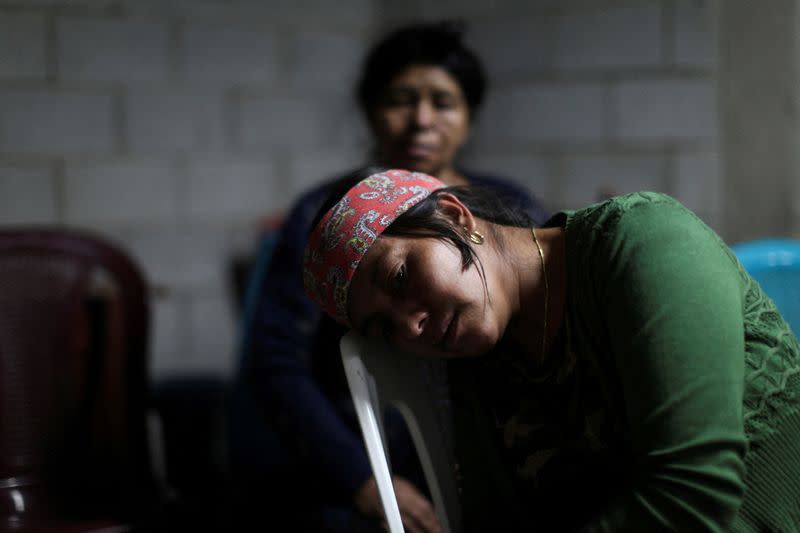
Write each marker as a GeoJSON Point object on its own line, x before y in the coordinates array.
{"type": "Point", "coordinates": [382, 252]}
{"type": "Point", "coordinates": [426, 74]}
{"type": "Point", "coordinates": [366, 279]}
{"type": "Point", "coordinates": [384, 248]}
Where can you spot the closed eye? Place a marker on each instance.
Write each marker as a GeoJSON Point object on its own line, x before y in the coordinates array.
{"type": "Point", "coordinates": [444, 100]}
{"type": "Point", "coordinates": [400, 97]}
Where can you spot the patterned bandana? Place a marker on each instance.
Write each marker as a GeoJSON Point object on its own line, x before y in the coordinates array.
{"type": "Point", "coordinates": [349, 228]}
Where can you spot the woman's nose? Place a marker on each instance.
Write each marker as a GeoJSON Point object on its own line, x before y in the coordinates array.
{"type": "Point", "coordinates": [424, 113]}
{"type": "Point", "coordinates": [410, 323]}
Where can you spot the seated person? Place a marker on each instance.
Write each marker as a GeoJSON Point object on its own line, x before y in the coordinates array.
{"type": "Point", "coordinates": [636, 377]}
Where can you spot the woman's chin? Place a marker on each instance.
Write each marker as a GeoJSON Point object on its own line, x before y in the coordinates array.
{"type": "Point", "coordinates": [417, 163]}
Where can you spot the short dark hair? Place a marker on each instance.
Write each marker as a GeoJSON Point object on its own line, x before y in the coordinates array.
{"type": "Point", "coordinates": [429, 43]}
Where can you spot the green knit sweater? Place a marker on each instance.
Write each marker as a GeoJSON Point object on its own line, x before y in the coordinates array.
{"type": "Point", "coordinates": [674, 405]}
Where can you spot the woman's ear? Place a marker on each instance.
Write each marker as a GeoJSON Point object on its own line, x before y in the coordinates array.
{"type": "Point", "coordinates": [452, 209]}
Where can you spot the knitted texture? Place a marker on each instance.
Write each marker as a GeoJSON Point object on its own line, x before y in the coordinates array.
{"type": "Point", "coordinates": [771, 416]}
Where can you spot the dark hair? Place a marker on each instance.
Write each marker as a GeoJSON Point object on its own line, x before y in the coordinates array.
{"type": "Point", "coordinates": [424, 221]}
{"type": "Point", "coordinates": [431, 43]}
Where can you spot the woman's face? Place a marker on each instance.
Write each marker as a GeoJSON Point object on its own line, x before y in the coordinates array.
{"type": "Point", "coordinates": [414, 293]}
{"type": "Point", "coordinates": [421, 120]}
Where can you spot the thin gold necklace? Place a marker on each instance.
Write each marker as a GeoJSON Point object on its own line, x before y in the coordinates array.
{"type": "Point", "coordinates": [546, 292]}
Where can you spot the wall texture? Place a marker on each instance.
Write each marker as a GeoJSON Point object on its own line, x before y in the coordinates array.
{"type": "Point", "coordinates": [175, 126]}
{"type": "Point", "coordinates": [592, 98]}
{"type": "Point", "coordinates": [759, 105]}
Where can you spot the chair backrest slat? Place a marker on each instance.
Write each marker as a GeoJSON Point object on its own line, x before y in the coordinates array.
{"type": "Point", "coordinates": [400, 380]}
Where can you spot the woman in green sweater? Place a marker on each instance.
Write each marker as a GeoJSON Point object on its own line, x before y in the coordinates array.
{"type": "Point", "coordinates": [637, 378]}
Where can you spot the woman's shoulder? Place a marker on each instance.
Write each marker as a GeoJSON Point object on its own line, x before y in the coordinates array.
{"type": "Point", "coordinates": [628, 202]}
{"type": "Point", "coordinates": [632, 224]}
{"type": "Point", "coordinates": [633, 211]}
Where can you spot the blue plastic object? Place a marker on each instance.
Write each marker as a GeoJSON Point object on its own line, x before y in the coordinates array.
{"type": "Point", "coordinates": [775, 264]}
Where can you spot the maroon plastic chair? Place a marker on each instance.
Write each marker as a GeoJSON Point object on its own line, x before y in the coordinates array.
{"type": "Point", "coordinates": [73, 381]}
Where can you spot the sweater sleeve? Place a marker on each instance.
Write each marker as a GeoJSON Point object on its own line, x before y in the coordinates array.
{"type": "Point", "coordinates": [671, 300]}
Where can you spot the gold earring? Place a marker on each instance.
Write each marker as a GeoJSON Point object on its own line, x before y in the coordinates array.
{"type": "Point", "coordinates": [476, 237]}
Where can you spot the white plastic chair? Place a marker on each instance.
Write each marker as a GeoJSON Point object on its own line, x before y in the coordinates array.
{"type": "Point", "coordinates": [379, 375]}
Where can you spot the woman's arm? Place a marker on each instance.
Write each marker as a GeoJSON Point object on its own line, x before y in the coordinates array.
{"type": "Point", "coordinates": [671, 303]}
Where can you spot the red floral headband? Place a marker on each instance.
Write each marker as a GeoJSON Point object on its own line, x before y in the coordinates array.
{"type": "Point", "coordinates": [348, 229]}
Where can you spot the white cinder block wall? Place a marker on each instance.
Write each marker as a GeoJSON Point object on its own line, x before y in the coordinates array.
{"type": "Point", "coordinates": [591, 97]}
{"type": "Point", "coordinates": [173, 126]}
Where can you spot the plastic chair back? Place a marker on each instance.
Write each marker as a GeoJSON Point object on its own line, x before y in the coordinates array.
{"type": "Point", "coordinates": [377, 376]}
{"type": "Point", "coordinates": [775, 264]}
{"type": "Point", "coordinates": [73, 381]}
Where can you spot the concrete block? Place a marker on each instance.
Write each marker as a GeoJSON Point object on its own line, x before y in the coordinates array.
{"type": "Point", "coordinates": [82, 4]}
{"type": "Point", "coordinates": [477, 12]}
{"type": "Point", "coordinates": [213, 333]}
{"type": "Point", "coordinates": [120, 192]}
{"type": "Point", "coordinates": [513, 45]}
{"type": "Point", "coordinates": [22, 54]}
{"type": "Point", "coordinates": [612, 38]}
{"type": "Point", "coordinates": [166, 337]}
{"type": "Point", "coordinates": [325, 61]}
{"type": "Point", "coordinates": [112, 50]}
{"type": "Point", "coordinates": [697, 182]}
{"type": "Point", "coordinates": [182, 257]}
{"type": "Point", "coordinates": [666, 109]}
{"type": "Point", "coordinates": [301, 123]}
{"type": "Point", "coordinates": [174, 121]}
{"type": "Point", "coordinates": [695, 34]}
{"type": "Point", "coordinates": [796, 211]}
{"type": "Point", "coordinates": [228, 55]}
{"type": "Point", "coordinates": [233, 189]}
{"type": "Point", "coordinates": [27, 194]}
{"type": "Point", "coordinates": [309, 169]}
{"type": "Point", "coordinates": [219, 10]}
{"type": "Point", "coordinates": [286, 13]}
{"type": "Point", "coordinates": [422, 9]}
{"type": "Point", "coordinates": [544, 112]}
{"type": "Point", "coordinates": [40, 121]}
{"type": "Point", "coordinates": [355, 14]}
{"type": "Point", "coordinates": [587, 179]}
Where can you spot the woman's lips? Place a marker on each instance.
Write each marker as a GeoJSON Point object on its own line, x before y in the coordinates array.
{"type": "Point", "coordinates": [419, 150]}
